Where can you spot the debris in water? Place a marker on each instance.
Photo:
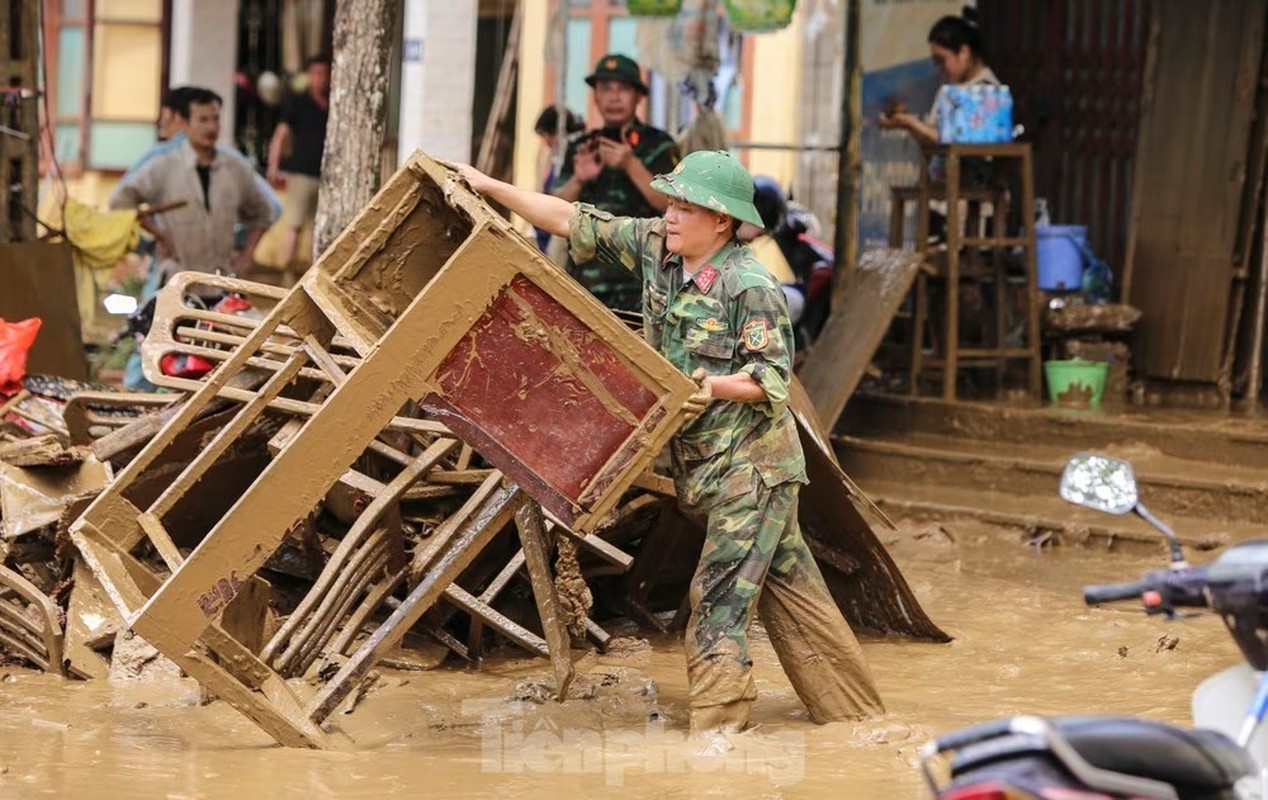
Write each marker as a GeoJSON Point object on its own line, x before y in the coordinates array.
{"type": "Point", "coordinates": [372, 682]}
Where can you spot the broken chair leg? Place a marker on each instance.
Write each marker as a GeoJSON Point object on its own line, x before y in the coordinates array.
{"type": "Point", "coordinates": [532, 530]}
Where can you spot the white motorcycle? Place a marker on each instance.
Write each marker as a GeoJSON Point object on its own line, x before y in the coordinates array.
{"type": "Point", "coordinates": [1104, 758]}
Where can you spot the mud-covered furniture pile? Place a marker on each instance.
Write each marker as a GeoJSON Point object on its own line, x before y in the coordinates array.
{"type": "Point", "coordinates": [435, 444]}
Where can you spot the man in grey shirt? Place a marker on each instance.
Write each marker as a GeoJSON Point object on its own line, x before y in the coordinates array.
{"type": "Point", "coordinates": [218, 191]}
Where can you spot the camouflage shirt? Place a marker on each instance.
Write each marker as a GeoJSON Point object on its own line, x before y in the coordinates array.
{"type": "Point", "coordinates": [729, 317]}
{"type": "Point", "coordinates": [613, 191]}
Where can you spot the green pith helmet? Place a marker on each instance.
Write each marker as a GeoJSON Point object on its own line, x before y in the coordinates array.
{"type": "Point", "coordinates": [616, 67]}
{"type": "Point", "coordinates": [714, 179]}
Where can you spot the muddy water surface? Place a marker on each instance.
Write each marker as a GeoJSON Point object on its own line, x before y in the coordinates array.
{"type": "Point", "coordinates": [1024, 642]}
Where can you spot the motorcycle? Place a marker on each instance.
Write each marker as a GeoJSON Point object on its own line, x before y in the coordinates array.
{"type": "Point", "coordinates": [811, 261]}
{"type": "Point", "coordinates": [795, 229]}
{"type": "Point", "coordinates": [1103, 758]}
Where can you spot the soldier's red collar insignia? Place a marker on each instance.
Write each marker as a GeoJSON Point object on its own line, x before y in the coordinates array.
{"type": "Point", "coordinates": [756, 335]}
{"type": "Point", "coordinates": [705, 278]}
{"type": "Point", "coordinates": [632, 137]}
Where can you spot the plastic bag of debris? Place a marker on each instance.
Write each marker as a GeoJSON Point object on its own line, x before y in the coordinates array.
{"type": "Point", "coordinates": [16, 339]}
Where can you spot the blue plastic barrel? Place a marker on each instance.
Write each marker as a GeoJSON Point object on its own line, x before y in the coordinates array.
{"type": "Point", "coordinates": [1059, 250]}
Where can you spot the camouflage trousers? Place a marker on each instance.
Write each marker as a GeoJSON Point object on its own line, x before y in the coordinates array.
{"type": "Point", "coordinates": [755, 560]}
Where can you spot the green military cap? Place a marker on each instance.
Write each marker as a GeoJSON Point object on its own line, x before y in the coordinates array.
{"type": "Point", "coordinates": [714, 179]}
{"type": "Point", "coordinates": [616, 67]}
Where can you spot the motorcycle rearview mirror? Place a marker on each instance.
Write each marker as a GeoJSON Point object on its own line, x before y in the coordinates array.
{"type": "Point", "coordinates": [1108, 484]}
{"type": "Point", "coordinates": [121, 304]}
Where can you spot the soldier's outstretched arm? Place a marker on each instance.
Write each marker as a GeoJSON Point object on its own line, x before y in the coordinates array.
{"type": "Point", "coordinates": [543, 211]}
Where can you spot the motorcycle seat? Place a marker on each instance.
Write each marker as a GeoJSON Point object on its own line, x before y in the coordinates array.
{"type": "Point", "coordinates": [1197, 759]}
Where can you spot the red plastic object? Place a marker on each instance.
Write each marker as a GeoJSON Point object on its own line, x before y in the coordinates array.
{"type": "Point", "coordinates": [16, 339]}
{"type": "Point", "coordinates": [184, 366]}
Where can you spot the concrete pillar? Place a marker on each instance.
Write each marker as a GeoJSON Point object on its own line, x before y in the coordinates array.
{"type": "Point", "coordinates": [438, 78]}
{"type": "Point", "coordinates": [204, 51]}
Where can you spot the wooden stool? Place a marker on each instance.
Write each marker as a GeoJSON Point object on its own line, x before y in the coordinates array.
{"type": "Point", "coordinates": [966, 229]}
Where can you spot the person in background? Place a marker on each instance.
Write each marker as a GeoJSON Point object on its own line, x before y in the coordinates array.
{"type": "Point", "coordinates": [547, 127]}
{"type": "Point", "coordinates": [170, 131]}
{"type": "Point", "coordinates": [955, 45]}
{"type": "Point", "coordinates": [169, 122]}
{"type": "Point", "coordinates": [612, 170]}
{"type": "Point", "coordinates": [303, 131]}
{"type": "Point", "coordinates": [219, 191]}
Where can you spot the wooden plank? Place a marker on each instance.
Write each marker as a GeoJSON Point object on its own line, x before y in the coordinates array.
{"type": "Point", "coordinates": [81, 415]}
{"type": "Point", "coordinates": [1148, 91]}
{"type": "Point", "coordinates": [91, 623]}
{"type": "Point", "coordinates": [855, 329]}
{"type": "Point", "coordinates": [352, 582]}
{"type": "Point", "coordinates": [1186, 205]}
{"type": "Point", "coordinates": [430, 551]}
{"type": "Point", "coordinates": [495, 587]}
{"type": "Point", "coordinates": [533, 538]}
{"type": "Point", "coordinates": [39, 281]}
{"type": "Point", "coordinates": [136, 433]}
{"type": "Point", "coordinates": [598, 635]}
{"type": "Point", "coordinates": [33, 497]}
{"type": "Point", "coordinates": [1255, 372]}
{"type": "Point", "coordinates": [244, 622]}
{"type": "Point", "coordinates": [268, 707]}
{"type": "Point", "coordinates": [496, 620]}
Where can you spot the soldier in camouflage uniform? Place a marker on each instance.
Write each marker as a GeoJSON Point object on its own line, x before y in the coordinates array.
{"type": "Point", "coordinates": [718, 315]}
{"type": "Point", "coordinates": [612, 170]}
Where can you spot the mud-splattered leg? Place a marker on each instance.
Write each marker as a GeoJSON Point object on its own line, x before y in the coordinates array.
{"type": "Point", "coordinates": [740, 540]}
{"type": "Point", "coordinates": [817, 649]}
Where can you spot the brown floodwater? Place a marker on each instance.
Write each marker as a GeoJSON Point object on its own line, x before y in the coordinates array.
{"type": "Point", "coordinates": [1024, 643]}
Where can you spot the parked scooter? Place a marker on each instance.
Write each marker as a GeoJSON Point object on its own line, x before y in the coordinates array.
{"type": "Point", "coordinates": [1102, 758]}
{"type": "Point", "coordinates": [795, 228]}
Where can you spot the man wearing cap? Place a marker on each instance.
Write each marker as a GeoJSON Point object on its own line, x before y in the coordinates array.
{"type": "Point", "coordinates": [612, 170]}
{"type": "Point", "coordinates": [718, 315]}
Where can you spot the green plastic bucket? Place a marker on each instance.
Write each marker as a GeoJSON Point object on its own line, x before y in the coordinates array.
{"type": "Point", "coordinates": [1076, 383]}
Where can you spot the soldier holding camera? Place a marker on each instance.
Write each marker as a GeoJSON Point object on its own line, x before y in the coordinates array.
{"type": "Point", "coordinates": [611, 168]}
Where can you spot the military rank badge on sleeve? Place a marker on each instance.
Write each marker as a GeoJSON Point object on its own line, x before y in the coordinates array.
{"type": "Point", "coordinates": [756, 335]}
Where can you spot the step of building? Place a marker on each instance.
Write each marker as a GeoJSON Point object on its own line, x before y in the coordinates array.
{"type": "Point", "coordinates": [1201, 436]}
{"type": "Point", "coordinates": [1049, 519]}
{"type": "Point", "coordinates": [1168, 485]}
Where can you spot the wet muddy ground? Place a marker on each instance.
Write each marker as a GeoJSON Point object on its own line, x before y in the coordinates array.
{"type": "Point", "coordinates": [1024, 643]}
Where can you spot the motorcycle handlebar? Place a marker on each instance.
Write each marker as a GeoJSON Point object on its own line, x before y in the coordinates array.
{"type": "Point", "coordinates": [1175, 587]}
{"type": "Point", "coordinates": [1110, 592]}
